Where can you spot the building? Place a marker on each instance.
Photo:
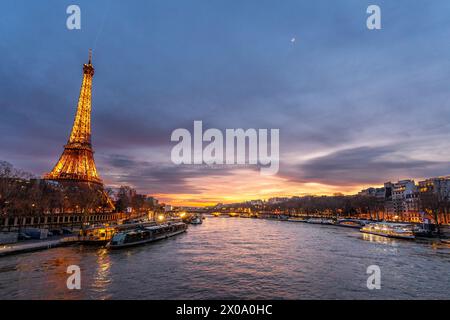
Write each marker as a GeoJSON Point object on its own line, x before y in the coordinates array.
{"type": "Point", "coordinates": [76, 163]}
{"type": "Point", "coordinates": [440, 188]}
{"type": "Point", "coordinates": [152, 201]}
{"type": "Point", "coordinates": [277, 200]}
{"type": "Point", "coordinates": [256, 202]}
{"type": "Point", "coordinates": [402, 201]}
{"type": "Point", "coordinates": [76, 166]}
{"type": "Point", "coordinates": [373, 192]}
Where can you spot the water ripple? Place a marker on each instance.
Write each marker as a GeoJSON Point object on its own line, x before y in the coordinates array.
{"type": "Point", "coordinates": [232, 258]}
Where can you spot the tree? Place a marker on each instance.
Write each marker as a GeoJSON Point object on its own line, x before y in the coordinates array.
{"type": "Point", "coordinates": [432, 203]}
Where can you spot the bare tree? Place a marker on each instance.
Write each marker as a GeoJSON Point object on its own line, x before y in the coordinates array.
{"type": "Point", "coordinates": [433, 203]}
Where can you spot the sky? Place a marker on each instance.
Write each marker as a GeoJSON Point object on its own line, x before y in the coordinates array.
{"type": "Point", "coordinates": [355, 107]}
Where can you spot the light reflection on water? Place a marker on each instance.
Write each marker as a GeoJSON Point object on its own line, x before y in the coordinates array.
{"type": "Point", "coordinates": [237, 258]}
{"type": "Point", "coordinates": [379, 239]}
{"type": "Point", "coordinates": [102, 278]}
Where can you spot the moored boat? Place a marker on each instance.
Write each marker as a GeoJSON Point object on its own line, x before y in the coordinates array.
{"type": "Point", "coordinates": [144, 235]}
{"type": "Point", "coordinates": [96, 234]}
{"type": "Point", "coordinates": [297, 220]}
{"type": "Point", "coordinates": [320, 221]}
{"type": "Point", "coordinates": [390, 230]}
{"type": "Point", "coordinates": [350, 223]}
{"type": "Point", "coordinates": [196, 220]}
{"type": "Point", "coordinates": [101, 234]}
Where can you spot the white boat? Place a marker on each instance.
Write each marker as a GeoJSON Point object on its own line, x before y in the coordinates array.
{"type": "Point", "coordinates": [197, 220]}
{"type": "Point", "coordinates": [146, 234]}
{"type": "Point", "coordinates": [320, 221]}
{"type": "Point", "coordinates": [390, 230]}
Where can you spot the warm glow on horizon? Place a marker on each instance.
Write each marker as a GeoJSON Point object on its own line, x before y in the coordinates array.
{"type": "Point", "coordinates": [244, 185]}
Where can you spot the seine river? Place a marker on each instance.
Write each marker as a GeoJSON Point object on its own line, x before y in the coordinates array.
{"type": "Point", "coordinates": [237, 258]}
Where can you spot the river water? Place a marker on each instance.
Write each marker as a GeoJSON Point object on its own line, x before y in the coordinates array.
{"type": "Point", "coordinates": [237, 258]}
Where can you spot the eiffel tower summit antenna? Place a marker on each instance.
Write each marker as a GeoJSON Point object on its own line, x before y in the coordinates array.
{"type": "Point", "coordinates": [90, 56]}
{"type": "Point", "coordinates": [77, 163]}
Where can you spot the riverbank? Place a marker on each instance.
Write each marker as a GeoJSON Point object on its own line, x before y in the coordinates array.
{"type": "Point", "coordinates": [30, 246]}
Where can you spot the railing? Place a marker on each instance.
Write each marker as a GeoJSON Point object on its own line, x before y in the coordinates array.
{"type": "Point", "coordinates": [10, 223]}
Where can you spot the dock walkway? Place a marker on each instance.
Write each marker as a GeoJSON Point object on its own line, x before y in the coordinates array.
{"type": "Point", "coordinates": [30, 246]}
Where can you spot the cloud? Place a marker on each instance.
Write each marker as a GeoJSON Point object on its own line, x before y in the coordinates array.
{"type": "Point", "coordinates": [156, 177]}
{"type": "Point", "coordinates": [366, 165]}
{"type": "Point", "coordinates": [350, 107]}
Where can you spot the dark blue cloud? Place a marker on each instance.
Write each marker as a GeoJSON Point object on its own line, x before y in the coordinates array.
{"type": "Point", "coordinates": [366, 165]}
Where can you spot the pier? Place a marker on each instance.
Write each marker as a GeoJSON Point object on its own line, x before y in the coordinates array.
{"type": "Point", "coordinates": [22, 247]}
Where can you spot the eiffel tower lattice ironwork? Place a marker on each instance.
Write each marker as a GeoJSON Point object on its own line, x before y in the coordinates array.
{"type": "Point", "coordinates": [77, 160]}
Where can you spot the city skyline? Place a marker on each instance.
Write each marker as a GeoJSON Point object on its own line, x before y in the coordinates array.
{"type": "Point", "coordinates": [347, 119]}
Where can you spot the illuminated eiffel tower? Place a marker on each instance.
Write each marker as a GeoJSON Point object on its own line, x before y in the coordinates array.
{"type": "Point", "coordinates": [76, 163]}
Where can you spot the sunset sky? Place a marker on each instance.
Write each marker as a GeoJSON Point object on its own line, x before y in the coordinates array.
{"type": "Point", "coordinates": [355, 107]}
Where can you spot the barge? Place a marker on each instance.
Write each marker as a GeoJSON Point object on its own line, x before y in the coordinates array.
{"type": "Point", "coordinates": [390, 230]}
{"type": "Point", "coordinates": [143, 235]}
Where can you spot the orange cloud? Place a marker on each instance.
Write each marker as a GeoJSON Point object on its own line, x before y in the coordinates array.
{"type": "Point", "coordinates": [244, 185]}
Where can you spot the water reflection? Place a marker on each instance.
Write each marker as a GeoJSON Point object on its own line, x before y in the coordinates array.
{"type": "Point", "coordinates": [237, 259]}
{"type": "Point", "coordinates": [379, 239]}
{"type": "Point", "coordinates": [102, 278]}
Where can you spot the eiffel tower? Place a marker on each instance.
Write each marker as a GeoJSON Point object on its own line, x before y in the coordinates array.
{"type": "Point", "coordinates": [76, 163]}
